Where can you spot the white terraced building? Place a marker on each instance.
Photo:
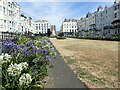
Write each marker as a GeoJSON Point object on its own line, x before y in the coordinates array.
{"type": "Point", "coordinates": [87, 25]}
{"type": "Point", "coordinates": [69, 26]}
{"type": "Point", "coordinates": [82, 26]}
{"type": "Point", "coordinates": [103, 21]}
{"type": "Point", "coordinates": [9, 16]}
{"type": "Point", "coordinates": [41, 26]}
{"type": "Point", "coordinates": [116, 17]}
{"type": "Point", "coordinates": [11, 20]}
{"type": "Point", "coordinates": [26, 24]}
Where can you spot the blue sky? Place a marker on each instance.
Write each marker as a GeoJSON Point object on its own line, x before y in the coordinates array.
{"type": "Point", "coordinates": [56, 12]}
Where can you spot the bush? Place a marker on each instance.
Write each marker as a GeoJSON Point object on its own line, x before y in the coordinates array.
{"type": "Point", "coordinates": [61, 34]}
{"type": "Point", "coordinates": [59, 37]}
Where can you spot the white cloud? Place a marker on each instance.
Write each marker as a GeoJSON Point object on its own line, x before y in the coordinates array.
{"type": "Point", "coordinates": [55, 13]}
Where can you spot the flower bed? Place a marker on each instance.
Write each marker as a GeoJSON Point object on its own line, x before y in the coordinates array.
{"type": "Point", "coordinates": [101, 37]}
{"type": "Point", "coordinates": [25, 62]}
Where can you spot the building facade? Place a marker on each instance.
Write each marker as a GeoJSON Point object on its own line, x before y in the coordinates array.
{"type": "Point", "coordinates": [26, 24]}
{"type": "Point", "coordinates": [104, 19]}
{"type": "Point", "coordinates": [9, 16]}
{"type": "Point", "coordinates": [116, 17]}
{"type": "Point", "coordinates": [41, 26]}
{"type": "Point", "coordinates": [82, 26]}
{"type": "Point", "coordinates": [12, 21]}
{"type": "Point", "coordinates": [101, 22]}
{"type": "Point", "coordinates": [69, 26]}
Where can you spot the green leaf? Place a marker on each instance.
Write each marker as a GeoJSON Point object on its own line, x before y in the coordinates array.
{"type": "Point", "coordinates": [37, 86]}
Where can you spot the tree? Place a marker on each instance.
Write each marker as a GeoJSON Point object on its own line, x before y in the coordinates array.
{"type": "Point", "coordinates": [61, 34]}
{"type": "Point", "coordinates": [49, 32]}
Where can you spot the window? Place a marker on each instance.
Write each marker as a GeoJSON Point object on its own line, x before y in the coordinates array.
{"type": "Point", "coordinates": [101, 14]}
{"type": "Point", "coordinates": [118, 6]}
{"type": "Point", "coordinates": [9, 4]}
{"type": "Point", "coordinates": [106, 11]}
{"type": "Point", "coordinates": [4, 10]}
{"type": "Point", "coordinates": [72, 30]}
{"type": "Point", "coordinates": [115, 8]}
{"type": "Point", "coordinates": [36, 27]}
{"type": "Point", "coordinates": [115, 15]}
{"type": "Point", "coordinates": [0, 8]}
{"type": "Point", "coordinates": [1, 21]}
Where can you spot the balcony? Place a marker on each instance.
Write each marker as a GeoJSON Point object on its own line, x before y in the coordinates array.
{"type": "Point", "coordinates": [116, 21]}
{"type": "Point", "coordinates": [108, 27]}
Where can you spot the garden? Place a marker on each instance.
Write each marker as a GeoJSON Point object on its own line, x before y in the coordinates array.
{"type": "Point", "coordinates": [25, 61]}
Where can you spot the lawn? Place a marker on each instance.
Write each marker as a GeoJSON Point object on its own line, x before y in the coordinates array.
{"type": "Point", "coordinates": [94, 62]}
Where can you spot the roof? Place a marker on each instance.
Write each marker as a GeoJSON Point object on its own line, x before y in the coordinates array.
{"type": "Point", "coordinates": [68, 20]}
{"type": "Point", "coordinates": [100, 7]}
{"type": "Point", "coordinates": [41, 21]}
{"type": "Point", "coordinates": [81, 18]}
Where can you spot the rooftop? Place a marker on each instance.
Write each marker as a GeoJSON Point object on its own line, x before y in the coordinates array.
{"type": "Point", "coordinates": [68, 20]}
{"type": "Point", "coordinates": [41, 21]}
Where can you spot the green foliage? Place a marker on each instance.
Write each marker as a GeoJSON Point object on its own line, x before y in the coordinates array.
{"type": "Point", "coordinates": [49, 32]}
{"type": "Point", "coordinates": [61, 38]}
{"type": "Point", "coordinates": [20, 39]}
{"type": "Point", "coordinates": [61, 34]}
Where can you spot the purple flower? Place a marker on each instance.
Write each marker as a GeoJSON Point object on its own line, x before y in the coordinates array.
{"type": "Point", "coordinates": [29, 43]}
{"type": "Point", "coordinates": [107, 35]}
{"type": "Point", "coordinates": [35, 72]}
{"type": "Point", "coordinates": [46, 40]}
{"type": "Point", "coordinates": [44, 51]}
{"type": "Point", "coordinates": [24, 52]}
{"type": "Point", "coordinates": [8, 42]}
{"type": "Point", "coordinates": [48, 58]}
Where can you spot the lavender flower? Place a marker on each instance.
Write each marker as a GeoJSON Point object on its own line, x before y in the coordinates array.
{"type": "Point", "coordinates": [29, 43]}
{"type": "Point", "coordinates": [24, 53]}
{"type": "Point", "coordinates": [107, 35]}
{"type": "Point", "coordinates": [43, 51]}
{"type": "Point", "coordinates": [48, 58]}
{"type": "Point", "coordinates": [35, 72]}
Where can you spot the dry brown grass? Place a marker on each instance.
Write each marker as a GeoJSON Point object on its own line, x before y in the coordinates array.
{"type": "Point", "coordinates": [94, 62]}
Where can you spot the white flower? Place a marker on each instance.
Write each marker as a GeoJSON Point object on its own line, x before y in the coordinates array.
{"type": "Point", "coordinates": [7, 57]}
{"type": "Point", "coordinates": [1, 58]}
{"type": "Point", "coordinates": [24, 65]}
{"type": "Point", "coordinates": [4, 58]}
{"type": "Point", "coordinates": [25, 79]}
{"type": "Point", "coordinates": [15, 69]}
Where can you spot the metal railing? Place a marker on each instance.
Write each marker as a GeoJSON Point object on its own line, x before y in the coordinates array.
{"type": "Point", "coordinates": [7, 36]}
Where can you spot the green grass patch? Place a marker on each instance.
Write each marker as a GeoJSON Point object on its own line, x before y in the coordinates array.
{"type": "Point", "coordinates": [82, 73]}
{"type": "Point", "coordinates": [70, 60]}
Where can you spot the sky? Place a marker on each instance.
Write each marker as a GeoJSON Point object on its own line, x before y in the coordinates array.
{"type": "Point", "coordinates": [56, 12]}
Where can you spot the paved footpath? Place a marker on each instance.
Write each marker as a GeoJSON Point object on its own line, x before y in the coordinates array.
{"type": "Point", "coordinates": [61, 76]}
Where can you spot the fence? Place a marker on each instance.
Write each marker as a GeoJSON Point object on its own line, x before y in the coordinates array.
{"type": "Point", "coordinates": [7, 36]}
